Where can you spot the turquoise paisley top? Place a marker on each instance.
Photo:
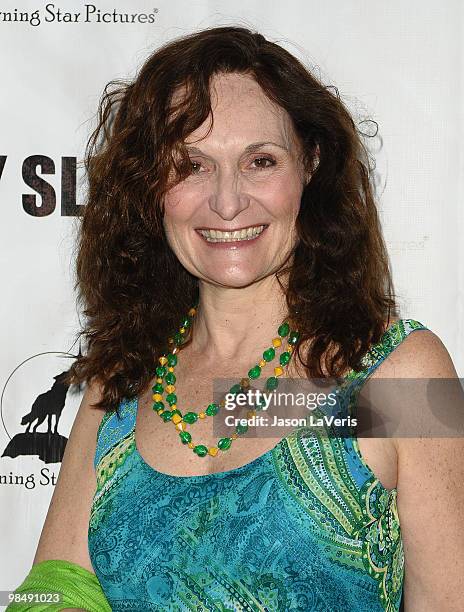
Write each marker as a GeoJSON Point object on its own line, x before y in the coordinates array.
{"type": "Point", "coordinates": [306, 526]}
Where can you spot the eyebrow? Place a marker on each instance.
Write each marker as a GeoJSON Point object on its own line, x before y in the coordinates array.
{"type": "Point", "coordinates": [249, 149]}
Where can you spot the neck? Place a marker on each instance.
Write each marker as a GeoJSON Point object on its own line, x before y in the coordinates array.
{"type": "Point", "coordinates": [237, 324]}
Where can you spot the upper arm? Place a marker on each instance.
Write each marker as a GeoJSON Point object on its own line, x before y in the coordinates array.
{"type": "Point", "coordinates": [64, 534]}
{"type": "Point", "coordinates": [431, 496]}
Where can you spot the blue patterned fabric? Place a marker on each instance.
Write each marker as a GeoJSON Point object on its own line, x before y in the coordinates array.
{"type": "Point", "coordinates": [306, 526]}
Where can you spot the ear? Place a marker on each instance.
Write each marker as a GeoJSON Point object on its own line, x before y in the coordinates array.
{"type": "Point", "coordinates": [315, 164]}
{"type": "Point", "coordinates": [316, 158]}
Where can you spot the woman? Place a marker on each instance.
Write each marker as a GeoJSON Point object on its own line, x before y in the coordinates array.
{"type": "Point", "coordinates": [231, 232]}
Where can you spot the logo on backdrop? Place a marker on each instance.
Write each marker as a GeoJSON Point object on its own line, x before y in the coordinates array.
{"type": "Point", "coordinates": [90, 13]}
{"type": "Point", "coordinates": [49, 445]}
{"type": "Point", "coordinates": [43, 202]}
{"type": "Point", "coordinates": [37, 410]}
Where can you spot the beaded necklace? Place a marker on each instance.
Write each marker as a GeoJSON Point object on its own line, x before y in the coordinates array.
{"type": "Point", "coordinates": [165, 370]}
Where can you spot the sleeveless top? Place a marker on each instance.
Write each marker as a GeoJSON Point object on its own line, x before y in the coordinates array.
{"type": "Point", "coordinates": [305, 526]}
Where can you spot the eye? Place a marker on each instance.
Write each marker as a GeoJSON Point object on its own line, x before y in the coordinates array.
{"type": "Point", "coordinates": [261, 164]}
{"type": "Point", "coordinates": [195, 166]}
{"type": "Point", "coordinates": [264, 162]}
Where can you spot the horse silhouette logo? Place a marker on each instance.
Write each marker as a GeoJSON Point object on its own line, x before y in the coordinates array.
{"type": "Point", "coordinates": [48, 445]}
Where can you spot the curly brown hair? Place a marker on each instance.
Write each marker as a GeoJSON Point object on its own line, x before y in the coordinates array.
{"type": "Point", "coordinates": [133, 289]}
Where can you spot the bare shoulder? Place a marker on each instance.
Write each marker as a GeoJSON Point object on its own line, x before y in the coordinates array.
{"type": "Point", "coordinates": [64, 534]}
{"type": "Point", "coordinates": [421, 354]}
{"type": "Point", "coordinates": [429, 488]}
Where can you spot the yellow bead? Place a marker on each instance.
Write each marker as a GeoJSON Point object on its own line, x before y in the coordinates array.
{"type": "Point", "coordinates": [234, 436]}
{"type": "Point", "coordinates": [173, 407]}
{"type": "Point", "coordinates": [202, 415]}
{"type": "Point", "coordinates": [245, 383]}
{"type": "Point", "coordinates": [289, 348]}
{"type": "Point", "coordinates": [160, 411]}
{"type": "Point", "coordinates": [192, 312]}
{"type": "Point", "coordinates": [170, 389]}
{"type": "Point", "coordinates": [159, 380]}
{"type": "Point", "coordinates": [180, 426]}
{"type": "Point", "coordinates": [278, 371]}
{"type": "Point", "coordinates": [171, 369]}
{"type": "Point", "coordinates": [176, 418]}
{"type": "Point", "coordinates": [222, 403]}
{"type": "Point", "coordinates": [170, 341]}
{"type": "Point", "coordinates": [276, 342]}
{"type": "Point", "coordinates": [182, 330]}
{"type": "Point", "coordinates": [175, 350]}
{"type": "Point", "coordinates": [261, 363]}
{"type": "Point", "coordinates": [213, 451]}
{"type": "Point", "coordinates": [190, 444]}
{"type": "Point", "coordinates": [157, 397]}
{"type": "Point", "coordinates": [163, 360]}
{"type": "Point", "coordinates": [251, 413]}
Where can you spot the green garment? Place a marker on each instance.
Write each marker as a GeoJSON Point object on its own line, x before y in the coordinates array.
{"type": "Point", "coordinates": [79, 587]}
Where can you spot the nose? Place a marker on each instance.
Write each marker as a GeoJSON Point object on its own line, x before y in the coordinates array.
{"type": "Point", "coordinates": [227, 197]}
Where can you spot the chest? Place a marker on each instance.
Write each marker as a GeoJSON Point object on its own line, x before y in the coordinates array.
{"type": "Point", "coordinates": [160, 446]}
{"type": "Point", "coordinates": [294, 524]}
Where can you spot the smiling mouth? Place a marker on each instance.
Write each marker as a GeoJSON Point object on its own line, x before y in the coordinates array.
{"type": "Point", "coordinates": [247, 233]}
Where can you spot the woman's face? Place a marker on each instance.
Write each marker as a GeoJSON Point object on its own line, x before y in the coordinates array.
{"type": "Point", "coordinates": [246, 175]}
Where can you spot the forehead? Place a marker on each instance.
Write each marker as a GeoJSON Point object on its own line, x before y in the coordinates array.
{"type": "Point", "coordinates": [240, 106]}
{"type": "Point", "coordinates": [238, 89]}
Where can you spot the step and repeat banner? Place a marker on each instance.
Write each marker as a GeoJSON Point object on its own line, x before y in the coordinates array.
{"type": "Point", "coordinates": [397, 64]}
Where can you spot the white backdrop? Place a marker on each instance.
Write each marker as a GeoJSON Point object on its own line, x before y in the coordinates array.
{"type": "Point", "coordinates": [397, 63]}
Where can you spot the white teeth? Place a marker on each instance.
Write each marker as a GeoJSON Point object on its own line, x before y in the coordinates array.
{"type": "Point", "coordinates": [234, 236]}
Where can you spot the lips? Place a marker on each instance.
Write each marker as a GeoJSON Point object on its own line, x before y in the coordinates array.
{"type": "Point", "coordinates": [215, 236]}
{"type": "Point", "coordinates": [251, 235]}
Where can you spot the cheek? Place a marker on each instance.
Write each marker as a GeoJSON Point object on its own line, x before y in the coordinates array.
{"type": "Point", "coordinates": [177, 208]}
{"type": "Point", "coordinates": [182, 200]}
{"type": "Point", "coordinates": [284, 195]}
{"type": "Point", "coordinates": [172, 199]}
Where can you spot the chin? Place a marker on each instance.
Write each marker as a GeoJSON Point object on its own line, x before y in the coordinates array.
{"type": "Point", "coordinates": [235, 280]}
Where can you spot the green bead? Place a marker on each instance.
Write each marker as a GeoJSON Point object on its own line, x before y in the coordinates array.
{"type": "Point", "coordinates": [185, 437]}
{"type": "Point", "coordinates": [212, 409]}
{"type": "Point", "coordinates": [172, 360]}
{"type": "Point", "coordinates": [171, 398]}
{"type": "Point", "coordinates": [240, 429]}
{"type": "Point", "coordinates": [186, 322]}
{"type": "Point", "coordinates": [190, 417]}
{"type": "Point", "coordinates": [201, 450]}
{"type": "Point", "coordinates": [272, 383]}
{"type": "Point", "coordinates": [158, 406]}
{"type": "Point", "coordinates": [161, 371]}
{"type": "Point", "coordinates": [283, 330]}
{"type": "Point", "coordinates": [235, 389]}
{"type": "Point", "coordinates": [284, 358]}
{"type": "Point", "coordinates": [293, 338]}
{"type": "Point", "coordinates": [178, 338]}
{"type": "Point", "coordinates": [269, 354]}
{"type": "Point", "coordinates": [254, 372]}
{"type": "Point", "coordinates": [166, 415]}
{"type": "Point", "coordinates": [224, 443]}
{"type": "Point", "coordinates": [170, 378]}
{"type": "Point", "coordinates": [158, 388]}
